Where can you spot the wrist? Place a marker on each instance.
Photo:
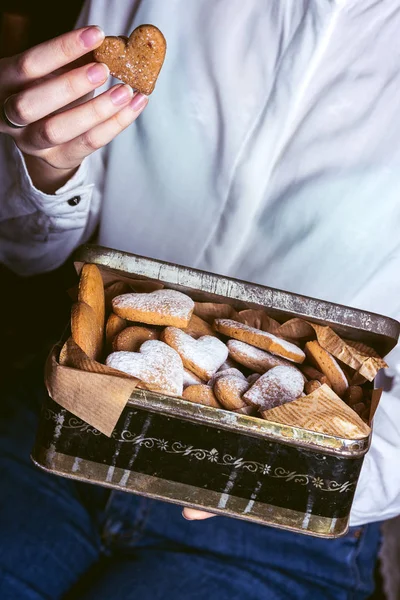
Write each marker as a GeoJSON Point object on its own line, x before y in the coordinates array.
{"type": "Point", "coordinates": [46, 178]}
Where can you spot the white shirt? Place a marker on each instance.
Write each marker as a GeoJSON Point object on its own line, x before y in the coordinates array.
{"type": "Point", "coordinates": [270, 151]}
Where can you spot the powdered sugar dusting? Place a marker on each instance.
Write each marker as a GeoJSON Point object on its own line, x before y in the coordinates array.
{"type": "Point", "coordinates": [241, 328]}
{"type": "Point", "coordinates": [226, 373]}
{"type": "Point", "coordinates": [240, 350]}
{"type": "Point", "coordinates": [169, 302]}
{"type": "Point", "coordinates": [276, 387]}
{"type": "Point", "coordinates": [190, 378]}
{"type": "Point", "coordinates": [207, 353]}
{"type": "Point", "coordinates": [156, 364]}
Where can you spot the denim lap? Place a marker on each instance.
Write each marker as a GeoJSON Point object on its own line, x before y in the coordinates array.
{"type": "Point", "coordinates": [53, 545]}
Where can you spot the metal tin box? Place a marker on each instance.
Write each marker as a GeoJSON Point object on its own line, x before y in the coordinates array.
{"type": "Point", "coordinates": [223, 462]}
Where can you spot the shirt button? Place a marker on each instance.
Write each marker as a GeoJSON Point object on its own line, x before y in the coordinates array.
{"type": "Point", "coordinates": [74, 201]}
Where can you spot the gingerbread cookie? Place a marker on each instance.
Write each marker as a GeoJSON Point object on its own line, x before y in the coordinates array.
{"type": "Point", "coordinates": [198, 328]}
{"type": "Point", "coordinates": [114, 325]}
{"type": "Point", "coordinates": [156, 364]}
{"type": "Point", "coordinates": [203, 356]}
{"type": "Point", "coordinates": [136, 60]}
{"type": "Point", "coordinates": [229, 391]}
{"type": "Point", "coordinates": [226, 373]}
{"type": "Point", "coordinates": [278, 386]}
{"type": "Point", "coordinates": [313, 374]}
{"type": "Point", "coordinates": [311, 386]}
{"type": "Point", "coordinates": [86, 331]}
{"type": "Point", "coordinates": [91, 292]}
{"type": "Point", "coordinates": [328, 365]}
{"type": "Point", "coordinates": [354, 394]}
{"type": "Point", "coordinates": [201, 394]}
{"type": "Point", "coordinates": [162, 307]}
{"type": "Point", "coordinates": [260, 339]}
{"type": "Point", "coordinates": [253, 358]}
{"type": "Point", "coordinates": [131, 338]}
{"type": "Point", "coordinates": [190, 378]}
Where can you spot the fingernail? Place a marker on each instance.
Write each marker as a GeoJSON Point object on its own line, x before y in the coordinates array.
{"type": "Point", "coordinates": [121, 95]}
{"type": "Point", "coordinates": [97, 73]}
{"type": "Point", "coordinates": [139, 102]}
{"type": "Point", "coordinates": [92, 36]}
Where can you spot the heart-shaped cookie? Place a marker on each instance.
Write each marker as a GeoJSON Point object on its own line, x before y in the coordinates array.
{"type": "Point", "coordinates": [156, 364]}
{"type": "Point", "coordinates": [136, 60]}
{"type": "Point", "coordinates": [162, 307]}
{"type": "Point", "coordinates": [203, 356]}
{"type": "Point", "coordinates": [276, 387]}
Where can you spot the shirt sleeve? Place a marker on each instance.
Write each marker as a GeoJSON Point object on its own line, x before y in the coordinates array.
{"type": "Point", "coordinates": [39, 231]}
{"type": "Point", "coordinates": [377, 496]}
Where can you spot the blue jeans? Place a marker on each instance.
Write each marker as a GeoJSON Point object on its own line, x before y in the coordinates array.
{"type": "Point", "coordinates": [62, 539]}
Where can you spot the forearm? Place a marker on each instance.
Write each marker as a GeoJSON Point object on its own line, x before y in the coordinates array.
{"type": "Point", "coordinates": [38, 231]}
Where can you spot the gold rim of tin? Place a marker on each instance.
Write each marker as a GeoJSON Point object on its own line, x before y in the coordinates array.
{"type": "Point", "coordinates": [169, 491]}
{"type": "Point", "coordinates": [247, 425]}
{"type": "Point", "coordinates": [288, 303]}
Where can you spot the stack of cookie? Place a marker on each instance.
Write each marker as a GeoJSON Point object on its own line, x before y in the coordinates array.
{"type": "Point", "coordinates": [159, 338]}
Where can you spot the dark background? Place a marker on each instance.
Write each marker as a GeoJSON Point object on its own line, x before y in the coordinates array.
{"type": "Point", "coordinates": [34, 310]}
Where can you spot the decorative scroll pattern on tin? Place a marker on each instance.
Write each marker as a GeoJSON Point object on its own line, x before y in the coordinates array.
{"type": "Point", "coordinates": [213, 456]}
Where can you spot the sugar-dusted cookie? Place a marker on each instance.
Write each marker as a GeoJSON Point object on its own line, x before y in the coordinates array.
{"type": "Point", "coordinates": [201, 394]}
{"type": "Point", "coordinates": [86, 331]}
{"type": "Point", "coordinates": [259, 339]}
{"type": "Point", "coordinates": [190, 378]}
{"type": "Point", "coordinates": [225, 373]}
{"type": "Point", "coordinates": [136, 60]}
{"type": "Point", "coordinates": [278, 386]}
{"type": "Point", "coordinates": [162, 307]}
{"type": "Point", "coordinates": [203, 356]}
{"type": "Point", "coordinates": [156, 364]}
{"type": "Point", "coordinates": [131, 338]}
{"type": "Point", "coordinates": [229, 391]}
{"type": "Point", "coordinates": [91, 292]}
{"type": "Point", "coordinates": [328, 365]}
{"type": "Point", "coordinates": [253, 358]}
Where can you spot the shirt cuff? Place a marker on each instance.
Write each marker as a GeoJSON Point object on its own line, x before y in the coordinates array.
{"type": "Point", "coordinates": [76, 192]}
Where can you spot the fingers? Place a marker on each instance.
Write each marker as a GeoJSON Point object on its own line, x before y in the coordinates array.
{"type": "Point", "coordinates": [36, 102]}
{"type": "Point", "coordinates": [73, 152]}
{"type": "Point", "coordinates": [45, 58]}
{"type": "Point", "coordinates": [68, 125]}
{"type": "Point", "coordinates": [190, 514]}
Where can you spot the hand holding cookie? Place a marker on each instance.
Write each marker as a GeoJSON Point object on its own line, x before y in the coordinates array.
{"type": "Point", "coordinates": [48, 106]}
